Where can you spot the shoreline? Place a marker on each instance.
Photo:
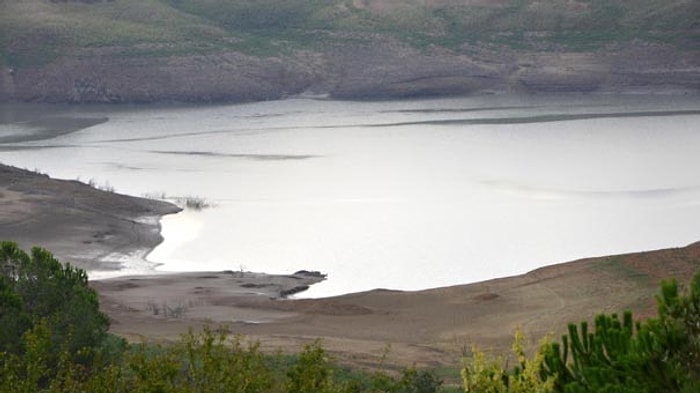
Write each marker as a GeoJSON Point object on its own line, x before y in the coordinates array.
{"type": "Point", "coordinates": [670, 92]}
{"type": "Point", "coordinates": [135, 224]}
{"type": "Point", "coordinates": [427, 328]}
{"type": "Point", "coordinates": [104, 229]}
{"type": "Point", "coordinates": [98, 228]}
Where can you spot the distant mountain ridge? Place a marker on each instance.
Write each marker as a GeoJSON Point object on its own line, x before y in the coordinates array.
{"type": "Point", "coordinates": [89, 51]}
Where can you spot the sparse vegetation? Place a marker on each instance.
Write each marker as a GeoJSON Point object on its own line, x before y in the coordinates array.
{"type": "Point", "coordinates": [178, 310]}
{"type": "Point", "coordinates": [188, 202]}
{"type": "Point", "coordinates": [156, 195]}
{"type": "Point", "coordinates": [100, 186]}
{"type": "Point", "coordinates": [195, 203]}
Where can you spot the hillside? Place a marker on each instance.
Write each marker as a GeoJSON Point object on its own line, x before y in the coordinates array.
{"type": "Point", "coordinates": [212, 50]}
{"type": "Point", "coordinates": [430, 328]}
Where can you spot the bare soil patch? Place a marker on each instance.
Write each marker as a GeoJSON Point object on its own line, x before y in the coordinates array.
{"type": "Point", "coordinates": [76, 222]}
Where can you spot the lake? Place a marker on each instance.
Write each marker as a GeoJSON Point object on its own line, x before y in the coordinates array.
{"type": "Point", "coordinates": [394, 194]}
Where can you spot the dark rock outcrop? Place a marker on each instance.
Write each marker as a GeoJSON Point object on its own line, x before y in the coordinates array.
{"type": "Point", "coordinates": [378, 70]}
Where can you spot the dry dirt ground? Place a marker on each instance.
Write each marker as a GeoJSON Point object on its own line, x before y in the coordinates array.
{"type": "Point", "coordinates": [78, 223]}
{"type": "Point", "coordinates": [433, 328]}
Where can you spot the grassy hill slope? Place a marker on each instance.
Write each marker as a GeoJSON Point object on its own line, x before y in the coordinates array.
{"type": "Point", "coordinates": [35, 33]}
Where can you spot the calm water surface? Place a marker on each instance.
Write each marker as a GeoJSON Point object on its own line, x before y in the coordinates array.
{"type": "Point", "coordinates": [401, 195]}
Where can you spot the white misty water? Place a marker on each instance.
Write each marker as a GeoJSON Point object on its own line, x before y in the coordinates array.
{"type": "Point", "coordinates": [397, 194]}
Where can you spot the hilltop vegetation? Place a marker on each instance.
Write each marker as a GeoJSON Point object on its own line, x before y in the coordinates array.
{"type": "Point", "coordinates": [35, 30]}
{"type": "Point", "coordinates": [319, 36]}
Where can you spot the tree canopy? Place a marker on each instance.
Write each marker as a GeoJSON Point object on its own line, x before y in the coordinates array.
{"type": "Point", "coordinates": [37, 289]}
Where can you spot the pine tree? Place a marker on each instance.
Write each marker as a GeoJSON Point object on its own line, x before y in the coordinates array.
{"type": "Point", "coordinates": [657, 355]}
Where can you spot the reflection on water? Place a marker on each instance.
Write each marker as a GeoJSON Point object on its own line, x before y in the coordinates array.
{"type": "Point", "coordinates": [263, 157]}
{"type": "Point", "coordinates": [404, 195]}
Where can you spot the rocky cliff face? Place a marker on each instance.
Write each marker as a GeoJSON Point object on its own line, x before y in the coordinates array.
{"type": "Point", "coordinates": [113, 79]}
{"type": "Point", "coordinates": [377, 71]}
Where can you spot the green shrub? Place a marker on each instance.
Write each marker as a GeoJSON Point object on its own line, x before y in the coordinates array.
{"type": "Point", "coordinates": [618, 355]}
{"type": "Point", "coordinates": [312, 372]}
{"type": "Point", "coordinates": [205, 362]}
{"type": "Point", "coordinates": [657, 355]}
{"type": "Point", "coordinates": [492, 376]}
{"type": "Point", "coordinates": [418, 381]}
{"type": "Point", "coordinates": [37, 289]}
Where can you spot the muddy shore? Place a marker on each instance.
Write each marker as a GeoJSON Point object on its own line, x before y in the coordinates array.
{"type": "Point", "coordinates": [91, 228]}
{"type": "Point", "coordinates": [95, 229]}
